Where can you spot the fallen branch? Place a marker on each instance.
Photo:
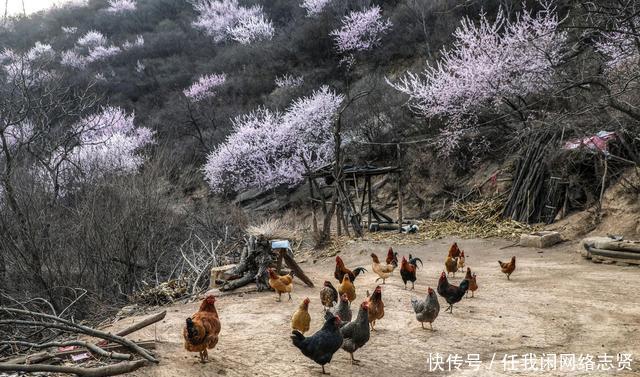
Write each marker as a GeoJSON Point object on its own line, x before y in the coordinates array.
{"type": "Point", "coordinates": [34, 358]}
{"type": "Point", "coordinates": [140, 325]}
{"type": "Point", "coordinates": [43, 356]}
{"type": "Point", "coordinates": [72, 327]}
{"type": "Point", "coordinates": [110, 370]}
{"type": "Point", "coordinates": [78, 343]}
{"type": "Point", "coordinates": [87, 331]}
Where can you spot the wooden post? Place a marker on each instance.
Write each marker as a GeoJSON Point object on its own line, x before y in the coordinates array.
{"type": "Point", "coordinates": [400, 219]}
{"type": "Point", "coordinates": [604, 180]}
{"type": "Point", "coordinates": [338, 219]}
{"type": "Point", "coordinates": [297, 271]}
{"type": "Point", "coordinates": [314, 218]}
{"type": "Point", "coordinates": [399, 192]}
{"type": "Point", "coordinates": [281, 253]}
{"type": "Point", "coordinates": [368, 183]}
{"type": "Point", "coordinates": [364, 194]}
{"type": "Point", "coordinates": [355, 184]}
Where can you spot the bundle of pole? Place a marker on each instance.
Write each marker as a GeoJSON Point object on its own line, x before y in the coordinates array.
{"type": "Point", "coordinates": [526, 200]}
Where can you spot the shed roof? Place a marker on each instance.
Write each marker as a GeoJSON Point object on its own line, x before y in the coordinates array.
{"type": "Point", "coordinates": [357, 170]}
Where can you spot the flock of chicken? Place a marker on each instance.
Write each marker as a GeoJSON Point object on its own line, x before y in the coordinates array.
{"type": "Point", "coordinates": [339, 330]}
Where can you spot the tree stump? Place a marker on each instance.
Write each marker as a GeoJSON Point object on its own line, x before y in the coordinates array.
{"type": "Point", "coordinates": [256, 258]}
{"type": "Point", "coordinates": [218, 273]}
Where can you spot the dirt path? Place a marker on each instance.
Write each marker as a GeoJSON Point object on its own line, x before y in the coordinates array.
{"type": "Point", "coordinates": [556, 302]}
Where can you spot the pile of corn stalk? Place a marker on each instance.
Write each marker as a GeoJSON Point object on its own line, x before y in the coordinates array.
{"type": "Point", "coordinates": [483, 211]}
{"type": "Point", "coordinates": [476, 219]}
{"type": "Point", "coordinates": [499, 228]}
{"type": "Point", "coordinates": [472, 219]}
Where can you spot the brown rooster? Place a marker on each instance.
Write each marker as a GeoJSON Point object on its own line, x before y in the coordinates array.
{"type": "Point", "coordinates": [408, 270]}
{"type": "Point", "coordinates": [508, 268]}
{"type": "Point", "coordinates": [202, 329]}
{"type": "Point", "coordinates": [392, 258]}
{"type": "Point", "coordinates": [341, 270]}
{"type": "Point", "coordinates": [454, 250]}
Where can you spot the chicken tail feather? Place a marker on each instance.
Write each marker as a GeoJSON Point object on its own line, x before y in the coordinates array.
{"type": "Point", "coordinates": [359, 270]}
{"type": "Point", "coordinates": [414, 261]}
{"type": "Point", "coordinates": [192, 332]}
{"type": "Point", "coordinates": [297, 338]}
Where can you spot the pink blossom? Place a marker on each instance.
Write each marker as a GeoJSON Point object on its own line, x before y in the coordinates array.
{"type": "Point", "coordinates": [619, 46]}
{"type": "Point", "coordinates": [69, 29]}
{"type": "Point", "coordinates": [314, 7]}
{"type": "Point", "coordinates": [361, 31]}
{"type": "Point", "coordinates": [108, 144]}
{"type": "Point", "coordinates": [289, 81]}
{"type": "Point", "coordinates": [99, 53]}
{"type": "Point", "coordinates": [267, 148]}
{"type": "Point", "coordinates": [92, 39]}
{"type": "Point", "coordinates": [18, 67]}
{"type": "Point", "coordinates": [251, 28]}
{"type": "Point", "coordinates": [205, 87]}
{"type": "Point", "coordinates": [121, 6]}
{"type": "Point", "coordinates": [40, 51]}
{"type": "Point", "coordinates": [140, 67]}
{"type": "Point", "coordinates": [488, 62]}
{"type": "Point", "coordinates": [138, 42]}
{"type": "Point", "coordinates": [226, 19]}
{"type": "Point", "coordinates": [92, 47]}
{"type": "Point", "coordinates": [72, 59]}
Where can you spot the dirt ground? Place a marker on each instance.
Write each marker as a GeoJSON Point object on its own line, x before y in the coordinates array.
{"type": "Point", "coordinates": [556, 302]}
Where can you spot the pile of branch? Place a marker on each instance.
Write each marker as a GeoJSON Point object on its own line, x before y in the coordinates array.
{"type": "Point", "coordinates": [162, 294]}
{"type": "Point", "coordinates": [112, 347]}
{"type": "Point", "coordinates": [274, 229]}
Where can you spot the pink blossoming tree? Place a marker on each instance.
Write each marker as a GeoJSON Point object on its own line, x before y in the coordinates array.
{"type": "Point", "coordinates": [37, 134]}
{"type": "Point", "coordinates": [315, 7]}
{"type": "Point", "coordinates": [108, 143]}
{"type": "Point", "coordinates": [270, 148]}
{"type": "Point", "coordinates": [361, 31]}
{"type": "Point", "coordinates": [121, 6]}
{"type": "Point", "coordinates": [26, 68]}
{"type": "Point", "coordinates": [289, 81]}
{"type": "Point", "coordinates": [227, 20]}
{"type": "Point", "coordinates": [91, 39]}
{"type": "Point", "coordinates": [138, 42]}
{"type": "Point", "coordinates": [94, 47]}
{"type": "Point", "coordinates": [490, 65]}
{"type": "Point", "coordinates": [205, 87]}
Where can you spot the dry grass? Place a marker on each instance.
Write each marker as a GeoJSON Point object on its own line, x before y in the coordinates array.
{"type": "Point", "coordinates": [274, 229]}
